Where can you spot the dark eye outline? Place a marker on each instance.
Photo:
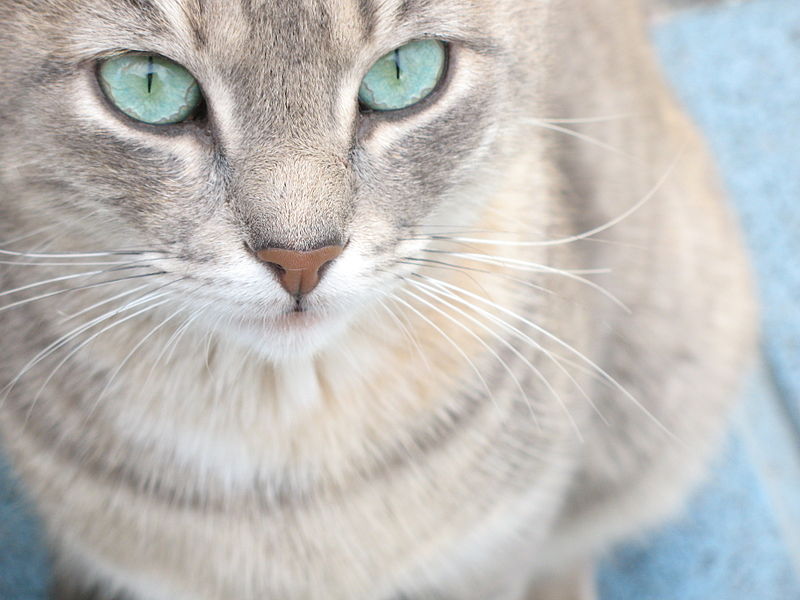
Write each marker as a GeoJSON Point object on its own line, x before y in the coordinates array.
{"type": "Point", "coordinates": [431, 98]}
{"type": "Point", "coordinates": [198, 117]}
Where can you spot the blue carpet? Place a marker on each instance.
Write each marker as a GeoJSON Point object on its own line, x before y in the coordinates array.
{"type": "Point", "coordinates": [731, 543]}
{"type": "Point", "coordinates": [737, 69]}
{"type": "Point", "coordinates": [23, 566]}
{"type": "Point", "coordinates": [735, 66]}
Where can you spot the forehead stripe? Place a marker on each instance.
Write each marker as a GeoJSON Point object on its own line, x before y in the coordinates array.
{"type": "Point", "coordinates": [369, 17]}
{"type": "Point", "coordinates": [146, 8]}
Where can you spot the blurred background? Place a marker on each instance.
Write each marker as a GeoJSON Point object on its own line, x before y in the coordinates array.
{"type": "Point", "coordinates": [736, 67]}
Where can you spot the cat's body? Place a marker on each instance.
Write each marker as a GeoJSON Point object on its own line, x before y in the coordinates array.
{"type": "Point", "coordinates": [370, 448]}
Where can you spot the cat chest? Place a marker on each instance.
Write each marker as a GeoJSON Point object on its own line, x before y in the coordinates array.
{"type": "Point", "coordinates": [367, 541]}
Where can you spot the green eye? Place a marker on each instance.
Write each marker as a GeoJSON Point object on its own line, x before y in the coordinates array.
{"type": "Point", "coordinates": [150, 88]}
{"type": "Point", "coordinates": [404, 76]}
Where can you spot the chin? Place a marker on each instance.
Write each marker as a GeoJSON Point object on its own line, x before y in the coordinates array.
{"type": "Point", "coordinates": [291, 336]}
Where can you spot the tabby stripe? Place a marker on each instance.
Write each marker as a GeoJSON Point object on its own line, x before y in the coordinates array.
{"type": "Point", "coordinates": [37, 424]}
{"type": "Point", "coordinates": [369, 17]}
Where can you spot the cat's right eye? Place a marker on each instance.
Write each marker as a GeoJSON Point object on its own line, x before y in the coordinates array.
{"type": "Point", "coordinates": [150, 88]}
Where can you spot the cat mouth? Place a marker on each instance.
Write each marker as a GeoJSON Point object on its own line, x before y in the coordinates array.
{"type": "Point", "coordinates": [298, 316]}
{"type": "Point", "coordinates": [293, 319]}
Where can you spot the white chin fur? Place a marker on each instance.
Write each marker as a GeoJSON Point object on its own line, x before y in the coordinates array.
{"type": "Point", "coordinates": [292, 338]}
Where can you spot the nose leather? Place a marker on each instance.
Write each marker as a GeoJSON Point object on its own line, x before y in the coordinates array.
{"type": "Point", "coordinates": [299, 271]}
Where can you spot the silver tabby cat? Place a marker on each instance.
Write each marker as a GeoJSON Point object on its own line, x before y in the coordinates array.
{"type": "Point", "coordinates": [294, 347]}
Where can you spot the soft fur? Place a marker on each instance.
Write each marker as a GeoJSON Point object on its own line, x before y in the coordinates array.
{"type": "Point", "coordinates": [446, 420]}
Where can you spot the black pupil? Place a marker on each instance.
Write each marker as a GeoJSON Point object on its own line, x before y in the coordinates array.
{"type": "Point", "coordinates": [150, 73]}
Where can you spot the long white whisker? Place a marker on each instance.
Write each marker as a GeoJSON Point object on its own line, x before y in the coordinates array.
{"type": "Point", "coordinates": [130, 354]}
{"type": "Point", "coordinates": [406, 332]}
{"type": "Point", "coordinates": [52, 280]}
{"type": "Point", "coordinates": [527, 266]}
{"type": "Point", "coordinates": [67, 278]}
{"type": "Point", "coordinates": [478, 338]}
{"type": "Point", "coordinates": [66, 338]}
{"type": "Point", "coordinates": [83, 311]}
{"type": "Point", "coordinates": [429, 291]}
{"type": "Point", "coordinates": [454, 240]}
{"type": "Point", "coordinates": [81, 263]}
{"type": "Point", "coordinates": [75, 289]}
{"type": "Point", "coordinates": [26, 236]}
{"type": "Point", "coordinates": [452, 343]}
{"type": "Point", "coordinates": [79, 254]}
{"type": "Point", "coordinates": [588, 120]}
{"type": "Point", "coordinates": [572, 350]}
{"type": "Point", "coordinates": [600, 228]}
{"type": "Point", "coordinates": [506, 276]}
{"type": "Point", "coordinates": [518, 333]}
{"type": "Point", "coordinates": [552, 126]}
{"type": "Point", "coordinates": [530, 266]}
{"type": "Point", "coordinates": [173, 339]}
{"type": "Point", "coordinates": [463, 269]}
{"type": "Point", "coordinates": [87, 341]}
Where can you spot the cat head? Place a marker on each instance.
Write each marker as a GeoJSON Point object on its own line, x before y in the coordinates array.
{"type": "Point", "coordinates": [275, 186]}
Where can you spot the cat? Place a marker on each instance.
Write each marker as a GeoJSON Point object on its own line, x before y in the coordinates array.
{"type": "Point", "coordinates": [354, 299]}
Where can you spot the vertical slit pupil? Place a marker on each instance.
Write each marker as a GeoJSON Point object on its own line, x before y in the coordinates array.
{"type": "Point", "coordinates": [397, 61]}
{"type": "Point", "coordinates": [149, 74]}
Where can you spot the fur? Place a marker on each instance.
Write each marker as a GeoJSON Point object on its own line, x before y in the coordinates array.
{"type": "Point", "coordinates": [466, 409]}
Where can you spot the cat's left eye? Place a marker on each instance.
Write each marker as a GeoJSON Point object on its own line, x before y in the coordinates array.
{"type": "Point", "coordinates": [404, 77]}
{"type": "Point", "coordinates": [150, 88]}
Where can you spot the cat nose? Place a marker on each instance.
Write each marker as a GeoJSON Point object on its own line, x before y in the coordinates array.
{"type": "Point", "coordinates": [298, 271]}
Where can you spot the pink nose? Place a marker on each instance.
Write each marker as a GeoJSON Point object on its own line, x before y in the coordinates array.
{"type": "Point", "coordinates": [299, 272]}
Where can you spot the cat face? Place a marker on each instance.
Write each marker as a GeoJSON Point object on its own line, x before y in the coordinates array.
{"type": "Point", "coordinates": [282, 154]}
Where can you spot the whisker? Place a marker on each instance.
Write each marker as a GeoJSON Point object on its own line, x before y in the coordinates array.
{"type": "Point", "coordinates": [449, 240]}
{"type": "Point", "coordinates": [173, 339]}
{"type": "Point", "coordinates": [452, 343]}
{"type": "Point", "coordinates": [80, 254]}
{"type": "Point", "coordinates": [67, 278]}
{"type": "Point", "coordinates": [552, 126]}
{"type": "Point", "coordinates": [67, 318]}
{"type": "Point", "coordinates": [455, 240]}
{"type": "Point", "coordinates": [529, 266]}
{"type": "Point", "coordinates": [588, 372]}
{"type": "Point", "coordinates": [463, 269]}
{"type": "Point", "coordinates": [52, 280]}
{"type": "Point", "coordinates": [407, 332]}
{"type": "Point", "coordinates": [74, 289]}
{"type": "Point", "coordinates": [130, 354]}
{"type": "Point", "coordinates": [450, 230]}
{"type": "Point", "coordinates": [586, 234]}
{"type": "Point", "coordinates": [87, 341]}
{"type": "Point", "coordinates": [66, 338]}
{"type": "Point", "coordinates": [76, 264]}
{"type": "Point", "coordinates": [588, 120]}
{"type": "Point", "coordinates": [522, 357]}
{"type": "Point", "coordinates": [505, 276]}
{"type": "Point", "coordinates": [508, 369]}
{"type": "Point", "coordinates": [478, 338]}
{"type": "Point", "coordinates": [26, 236]}
{"type": "Point", "coordinates": [554, 358]}
{"type": "Point", "coordinates": [572, 350]}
